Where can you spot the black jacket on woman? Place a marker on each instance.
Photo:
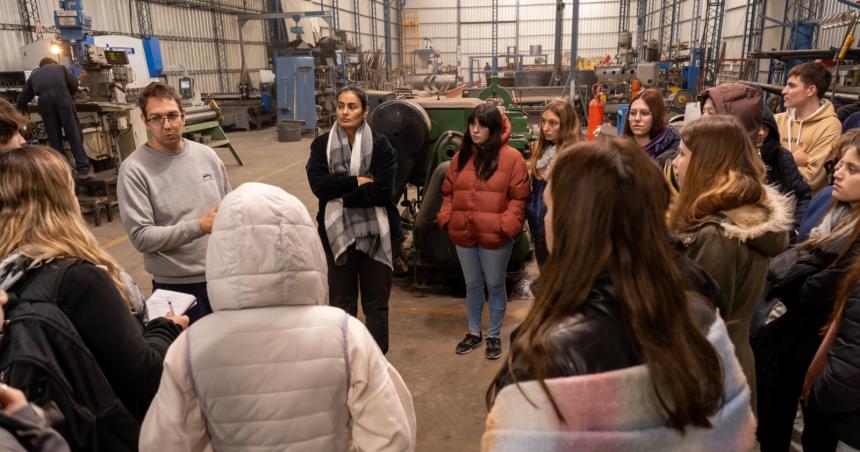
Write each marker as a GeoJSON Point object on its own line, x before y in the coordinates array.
{"type": "Point", "coordinates": [805, 279]}
{"type": "Point", "coordinates": [782, 171]}
{"type": "Point", "coordinates": [380, 193]}
{"type": "Point", "coordinates": [594, 339]}
{"type": "Point", "coordinates": [130, 355]}
{"type": "Point", "coordinates": [836, 393]}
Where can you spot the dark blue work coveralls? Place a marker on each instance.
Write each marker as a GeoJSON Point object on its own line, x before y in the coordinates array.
{"type": "Point", "coordinates": [55, 85]}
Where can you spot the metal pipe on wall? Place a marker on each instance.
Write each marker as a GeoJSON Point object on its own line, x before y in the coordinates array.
{"type": "Point", "coordinates": [574, 42]}
{"type": "Point", "coordinates": [574, 35]}
{"type": "Point", "coordinates": [386, 30]}
{"type": "Point", "coordinates": [559, 20]}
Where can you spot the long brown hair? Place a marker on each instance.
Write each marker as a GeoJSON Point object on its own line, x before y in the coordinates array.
{"type": "Point", "coordinates": [656, 106]}
{"type": "Point", "coordinates": [724, 171]}
{"type": "Point", "coordinates": [848, 285]}
{"type": "Point", "coordinates": [569, 132]}
{"type": "Point", "coordinates": [614, 202]}
{"type": "Point", "coordinates": [39, 214]}
{"type": "Point", "coordinates": [849, 140]}
{"type": "Point", "coordinates": [10, 121]}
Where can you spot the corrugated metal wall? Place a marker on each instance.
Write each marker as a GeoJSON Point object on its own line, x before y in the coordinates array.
{"type": "Point", "coordinates": [368, 11]}
{"type": "Point", "coordinates": [187, 32]}
{"type": "Point", "coordinates": [733, 28]}
{"type": "Point", "coordinates": [522, 23]}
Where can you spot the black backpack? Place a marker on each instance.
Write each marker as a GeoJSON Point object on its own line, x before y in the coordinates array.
{"type": "Point", "coordinates": [42, 354]}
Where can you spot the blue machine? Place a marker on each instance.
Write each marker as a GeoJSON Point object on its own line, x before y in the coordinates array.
{"type": "Point", "coordinates": [692, 71]}
{"type": "Point", "coordinates": [72, 21]}
{"type": "Point", "coordinates": [801, 38]}
{"type": "Point", "coordinates": [266, 100]}
{"type": "Point", "coordinates": [74, 28]}
{"type": "Point", "coordinates": [152, 51]}
{"type": "Point", "coordinates": [294, 81]}
{"type": "Point", "coordinates": [622, 118]}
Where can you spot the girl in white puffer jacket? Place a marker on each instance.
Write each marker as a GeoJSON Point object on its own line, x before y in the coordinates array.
{"type": "Point", "coordinates": [274, 368]}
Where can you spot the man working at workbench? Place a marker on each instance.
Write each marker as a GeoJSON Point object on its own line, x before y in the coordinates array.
{"type": "Point", "coordinates": [55, 85]}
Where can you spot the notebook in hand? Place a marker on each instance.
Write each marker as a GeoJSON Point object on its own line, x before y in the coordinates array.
{"type": "Point", "coordinates": [157, 304]}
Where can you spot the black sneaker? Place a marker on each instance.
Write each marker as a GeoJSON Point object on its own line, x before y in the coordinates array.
{"type": "Point", "coordinates": [494, 348]}
{"type": "Point", "coordinates": [469, 343]}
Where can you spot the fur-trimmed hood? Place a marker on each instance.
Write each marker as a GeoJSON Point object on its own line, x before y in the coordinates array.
{"type": "Point", "coordinates": [760, 226]}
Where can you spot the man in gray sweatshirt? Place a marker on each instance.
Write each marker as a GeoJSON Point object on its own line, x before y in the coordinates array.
{"type": "Point", "coordinates": [169, 191]}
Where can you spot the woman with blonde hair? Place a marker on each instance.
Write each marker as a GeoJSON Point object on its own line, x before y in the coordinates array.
{"type": "Point", "coordinates": [559, 126]}
{"type": "Point", "coordinates": [49, 255]}
{"type": "Point", "coordinates": [730, 222]}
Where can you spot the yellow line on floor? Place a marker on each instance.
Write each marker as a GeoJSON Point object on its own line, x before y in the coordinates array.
{"type": "Point", "coordinates": [115, 242]}
{"type": "Point", "coordinates": [124, 238]}
{"type": "Point", "coordinates": [513, 313]}
{"type": "Point", "coordinates": [280, 170]}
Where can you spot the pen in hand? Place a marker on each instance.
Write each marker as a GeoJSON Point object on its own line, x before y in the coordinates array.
{"type": "Point", "coordinates": [170, 307]}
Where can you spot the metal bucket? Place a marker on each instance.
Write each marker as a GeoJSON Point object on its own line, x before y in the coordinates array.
{"type": "Point", "coordinates": [290, 130]}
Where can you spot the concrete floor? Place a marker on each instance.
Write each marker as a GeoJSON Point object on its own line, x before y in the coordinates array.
{"type": "Point", "coordinates": [447, 389]}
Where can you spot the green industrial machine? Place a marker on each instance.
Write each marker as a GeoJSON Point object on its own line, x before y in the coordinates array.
{"type": "Point", "coordinates": [426, 133]}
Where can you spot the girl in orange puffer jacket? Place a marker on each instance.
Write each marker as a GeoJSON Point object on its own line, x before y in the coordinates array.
{"type": "Point", "coordinates": [483, 210]}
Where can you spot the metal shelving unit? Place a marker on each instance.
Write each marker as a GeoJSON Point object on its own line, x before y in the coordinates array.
{"type": "Point", "coordinates": [623, 18]}
{"type": "Point", "coordinates": [753, 32]}
{"type": "Point", "coordinates": [668, 34]}
{"type": "Point", "coordinates": [642, 7]}
{"type": "Point", "coordinates": [30, 21]}
{"type": "Point", "coordinates": [711, 37]}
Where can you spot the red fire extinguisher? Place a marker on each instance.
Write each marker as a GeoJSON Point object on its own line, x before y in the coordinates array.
{"type": "Point", "coordinates": [595, 111]}
{"type": "Point", "coordinates": [635, 87]}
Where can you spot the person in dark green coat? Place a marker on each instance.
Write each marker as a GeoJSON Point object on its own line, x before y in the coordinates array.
{"type": "Point", "coordinates": [729, 221]}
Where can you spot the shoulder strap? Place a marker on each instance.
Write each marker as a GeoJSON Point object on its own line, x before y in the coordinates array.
{"type": "Point", "coordinates": [49, 277]}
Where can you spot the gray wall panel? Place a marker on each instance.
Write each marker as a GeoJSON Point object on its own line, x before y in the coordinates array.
{"type": "Point", "coordinates": [170, 21]}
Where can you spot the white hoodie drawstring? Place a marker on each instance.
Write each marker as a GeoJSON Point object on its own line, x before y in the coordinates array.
{"type": "Point", "coordinates": [791, 117]}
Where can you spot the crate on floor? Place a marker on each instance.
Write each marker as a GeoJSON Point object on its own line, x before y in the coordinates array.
{"type": "Point", "coordinates": [95, 205]}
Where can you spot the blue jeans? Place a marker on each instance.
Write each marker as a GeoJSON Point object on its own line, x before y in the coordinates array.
{"type": "Point", "coordinates": [485, 266]}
